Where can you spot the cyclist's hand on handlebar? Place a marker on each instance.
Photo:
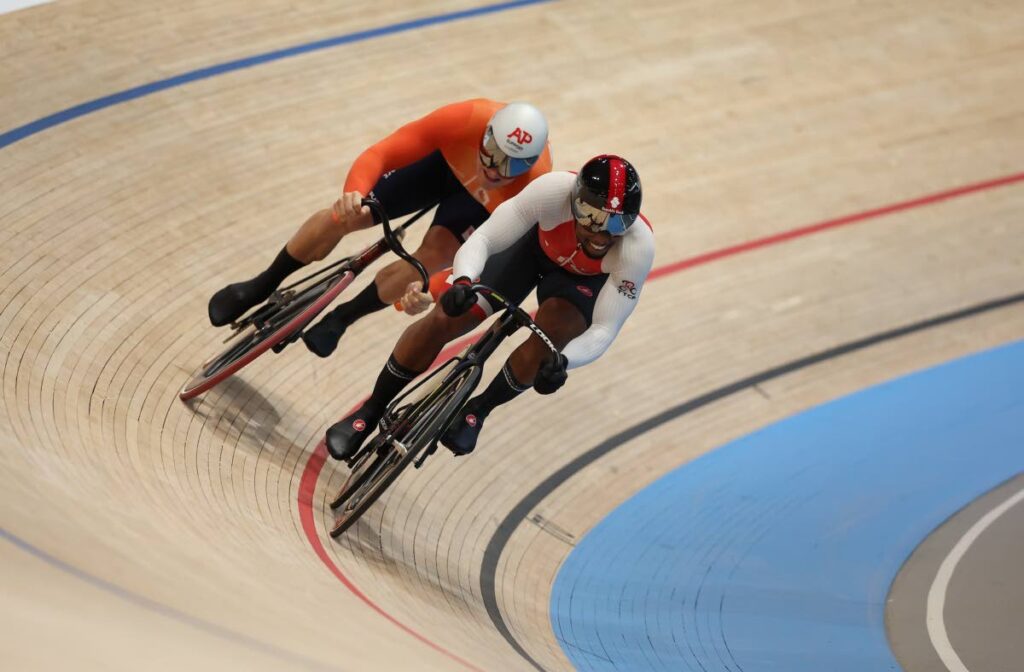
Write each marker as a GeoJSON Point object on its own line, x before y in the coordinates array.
{"type": "Point", "coordinates": [349, 205]}
{"type": "Point", "coordinates": [459, 299]}
{"type": "Point", "coordinates": [415, 301]}
{"type": "Point", "coordinates": [551, 375]}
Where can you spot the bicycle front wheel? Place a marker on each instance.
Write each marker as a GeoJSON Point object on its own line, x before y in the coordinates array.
{"type": "Point", "coordinates": [365, 465]}
{"type": "Point", "coordinates": [433, 414]}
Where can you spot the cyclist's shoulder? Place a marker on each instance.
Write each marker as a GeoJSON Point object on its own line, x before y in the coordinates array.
{"type": "Point", "coordinates": [555, 181]}
{"type": "Point", "coordinates": [462, 110]}
{"type": "Point", "coordinates": [636, 249]}
{"type": "Point", "coordinates": [546, 193]}
{"type": "Point", "coordinates": [456, 124]}
{"type": "Point", "coordinates": [643, 219]}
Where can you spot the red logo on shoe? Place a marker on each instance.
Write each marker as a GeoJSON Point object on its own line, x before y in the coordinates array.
{"type": "Point", "coordinates": [471, 420]}
{"type": "Point", "coordinates": [359, 425]}
{"type": "Point", "coordinates": [585, 291]}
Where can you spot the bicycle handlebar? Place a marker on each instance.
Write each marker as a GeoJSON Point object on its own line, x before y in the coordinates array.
{"type": "Point", "coordinates": [392, 239]}
{"type": "Point", "coordinates": [522, 316]}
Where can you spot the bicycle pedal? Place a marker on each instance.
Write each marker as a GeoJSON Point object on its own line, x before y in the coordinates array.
{"type": "Point", "coordinates": [285, 342]}
{"type": "Point", "coordinates": [426, 453]}
{"type": "Point", "coordinates": [279, 297]}
{"type": "Point", "coordinates": [237, 327]}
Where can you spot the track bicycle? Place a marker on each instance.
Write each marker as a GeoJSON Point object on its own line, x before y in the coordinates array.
{"type": "Point", "coordinates": [414, 423]}
{"type": "Point", "coordinates": [289, 310]}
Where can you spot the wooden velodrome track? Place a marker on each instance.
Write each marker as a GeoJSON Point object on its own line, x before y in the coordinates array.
{"type": "Point", "coordinates": [145, 534]}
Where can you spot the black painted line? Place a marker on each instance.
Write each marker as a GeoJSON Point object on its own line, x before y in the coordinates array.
{"type": "Point", "coordinates": [521, 511]}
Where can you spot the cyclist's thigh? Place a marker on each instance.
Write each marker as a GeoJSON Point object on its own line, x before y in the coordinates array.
{"type": "Point", "coordinates": [579, 290]}
{"type": "Point", "coordinates": [514, 272]}
{"type": "Point", "coordinates": [459, 213]}
{"type": "Point", "coordinates": [411, 188]}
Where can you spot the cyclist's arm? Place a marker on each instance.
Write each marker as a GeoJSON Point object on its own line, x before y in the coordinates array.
{"type": "Point", "coordinates": [539, 201]}
{"type": "Point", "coordinates": [618, 297]}
{"type": "Point", "coordinates": [408, 144]}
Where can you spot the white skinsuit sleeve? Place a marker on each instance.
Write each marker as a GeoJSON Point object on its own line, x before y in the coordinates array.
{"type": "Point", "coordinates": [617, 298]}
{"type": "Point", "coordinates": [540, 201]}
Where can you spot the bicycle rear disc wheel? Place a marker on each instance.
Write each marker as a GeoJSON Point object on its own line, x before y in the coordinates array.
{"type": "Point", "coordinates": [250, 343]}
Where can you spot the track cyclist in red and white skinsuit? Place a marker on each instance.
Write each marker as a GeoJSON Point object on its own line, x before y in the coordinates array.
{"type": "Point", "coordinates": [581, 241]}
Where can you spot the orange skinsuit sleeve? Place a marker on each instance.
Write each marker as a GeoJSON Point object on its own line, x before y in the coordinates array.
{"type": "Point", "coordinates": [408, 144]}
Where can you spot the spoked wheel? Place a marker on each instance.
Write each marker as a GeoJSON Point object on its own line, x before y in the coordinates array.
{"type": "Point", "coordinates": [272, 324]}
{"type": "Point", "coordinates": [377, 470]}
{"type": "Point", "coordinates": [380, 470]}
{"type": "Point", "coordinates": [364, 466]}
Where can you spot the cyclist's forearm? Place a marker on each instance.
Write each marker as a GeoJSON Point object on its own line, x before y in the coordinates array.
{"type": "Point", "coordinates": [612, 309]}
{"type": "Point", "coordinates": [589, 345]}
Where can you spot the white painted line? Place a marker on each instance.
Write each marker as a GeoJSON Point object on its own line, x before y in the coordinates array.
{"type": "Point", "coordinates": [14, 5]}
{"type": "Point", "coordinates": [937, 593]}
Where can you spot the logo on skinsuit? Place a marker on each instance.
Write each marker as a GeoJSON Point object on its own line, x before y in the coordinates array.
{"type": "Point", "coordinates": [471, 420]}
{"type": "Point", "coordinates": [359, 425]}
{"type": "Point", "coordinates": [628, 289]}
{"type": "Point", "coordinates": [521, 136]}
{"type": "Point", "coordinates": [585, 291]}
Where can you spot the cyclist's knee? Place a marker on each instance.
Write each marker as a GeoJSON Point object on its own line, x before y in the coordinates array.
{"type": "Point", "coordinates": [561, 320]}
{"type": "Point", "coordinates": [437, 249]}
{"type": "Point", "coordinates": [395, 270]}
{"type": "Point", "coordinates": [393, 279]}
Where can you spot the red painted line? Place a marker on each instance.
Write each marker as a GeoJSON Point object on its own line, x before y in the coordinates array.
{"type": "Point", "coordinates": [307, 488]}
{"type": "Point", "coordinates": [832, 224]}
{"type": "Point", "coordinates": [311, 473]}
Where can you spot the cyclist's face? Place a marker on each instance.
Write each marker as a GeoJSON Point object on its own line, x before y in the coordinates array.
{"type": "Point", "coordinates": [590, 233]}
{"type": "Point", "coordinates": [492, 161]}
{"type": "Point", "coordinates": [496, 166]}
{"type": "Point", "coordinates": [588, 217]}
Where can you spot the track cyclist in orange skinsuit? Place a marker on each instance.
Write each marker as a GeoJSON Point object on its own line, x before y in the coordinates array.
{"type": "Point", "coordinates": [466, 158]}
{"type": "Point", "coordinates": [581, 241]}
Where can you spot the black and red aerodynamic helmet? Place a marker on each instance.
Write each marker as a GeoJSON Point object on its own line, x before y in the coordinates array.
{"type": "Point", "coordinates": [611, 184]}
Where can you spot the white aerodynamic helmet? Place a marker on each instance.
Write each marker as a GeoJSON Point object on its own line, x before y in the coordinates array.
{"type": "Point", "coordinates": [515, 138]}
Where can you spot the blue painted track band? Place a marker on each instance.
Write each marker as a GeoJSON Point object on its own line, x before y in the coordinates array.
{"type": "Point", "coordinates": [776, 551]}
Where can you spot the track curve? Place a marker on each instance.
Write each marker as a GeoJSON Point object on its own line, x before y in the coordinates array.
{"type": "Point", "coordinates": [140, 531]}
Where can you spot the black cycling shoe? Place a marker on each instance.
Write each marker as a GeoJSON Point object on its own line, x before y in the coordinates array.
{"type": "Point", "coordinates": [322, 338]}
{"type": "Point", "coordinates": [346, 436]}
{"type": "Point", "coordinates": [231, 302]}
{"type": "Point", "coordinates": [461, 436]}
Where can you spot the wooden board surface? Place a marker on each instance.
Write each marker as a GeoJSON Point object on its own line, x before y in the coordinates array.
{"type": "Point", "coordinates": [144, 533]}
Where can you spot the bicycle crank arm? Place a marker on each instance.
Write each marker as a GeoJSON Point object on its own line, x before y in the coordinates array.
{"type": "Point", "coordinates": [426, 453]}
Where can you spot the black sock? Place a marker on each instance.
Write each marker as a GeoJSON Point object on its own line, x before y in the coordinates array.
{"type": "Point", "coordinates": [503, 388]}
{"type": "Point", "coordinates": [364, 303]}
{"type": "Point", "coordinates": [283, 265]}
{"type": "Point", "coordinates": [393, 377]}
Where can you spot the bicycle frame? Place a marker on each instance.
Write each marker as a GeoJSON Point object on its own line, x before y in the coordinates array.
{"type": "Point", "coordinates": [282, 318]}
{"type": "Point", "coordinates": [509, 321]}
{"type": "Point", "coordinates": [409, 431]}
{"type": "Point", "coordinates": [389, 242]}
